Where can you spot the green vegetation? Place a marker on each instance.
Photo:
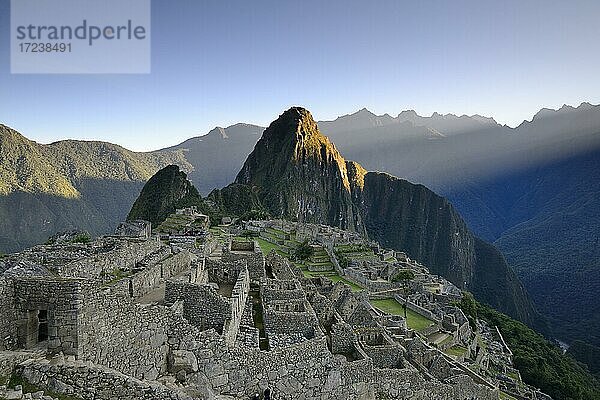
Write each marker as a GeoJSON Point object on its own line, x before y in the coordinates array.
{"type": "Point", "coordinates": [448, 339]}
{"type": "Point", "coordinates": [403, 276]}
{"type": "Point", "coordinates": [249, 234]}
{"type": "Point", "coordinates": [540, 363]}
{"type": "Point", "coordinates": [304, 251]}
{"type": "Point", "coordinates": [83, 237]}
{"type": "Point", "coordinates": [255, 215]}
{"type": "Point", "coordinates": [266, 247]}
{"type": "Point", "coordinates": [85, 184]}
{"type": "Point", "coordinates": [587, 354]}
{"type": "Point", "coordinates": [505, 396]}
{"type": "Point", "coordinates": [333, 276]}
{"type": "Point", "coordinates": [456, 351]}
{"type": "Point", "coordinates": [413, 320]}
{"type": "Point", "coordinates": [16, 380]}
{"type": "Point", "coordinates": [166, 191]}
{"type": "Point", "coordinates": [353, 286]}
{"type": "Point", "coordinates": [346, 252]}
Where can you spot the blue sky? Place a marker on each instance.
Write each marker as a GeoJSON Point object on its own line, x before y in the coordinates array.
{"type": "Point", "coordinates": [222, 62]}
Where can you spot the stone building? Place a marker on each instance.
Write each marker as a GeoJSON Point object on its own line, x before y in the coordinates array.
{"type": "Point", "coordinates": [131, 316]}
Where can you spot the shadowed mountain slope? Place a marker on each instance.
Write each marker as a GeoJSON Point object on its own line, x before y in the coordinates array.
{"type": "Point", "coordinates": [68, 185]}
{"type": "Point", "coordinates": [166, 191]}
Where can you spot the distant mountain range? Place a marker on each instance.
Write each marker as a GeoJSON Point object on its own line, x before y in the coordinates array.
{"type": "Point", "coordinates": [532, 190]}
{"type": "Point", "coordinates": [295, 172]}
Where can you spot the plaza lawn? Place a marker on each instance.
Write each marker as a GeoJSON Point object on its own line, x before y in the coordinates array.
{"type": "Point", "coordinates": [353, 286]}
{"type": "Point", "coordinates": [266, 247]}
{"type": "Point", "coordinates": [316, 274]}
{"type": "Point", "coordinates": [414, 321]}
{"type": "Point", "coordinates": [333, 276]}
{"type": "Point", "coordinates": [456, 351]}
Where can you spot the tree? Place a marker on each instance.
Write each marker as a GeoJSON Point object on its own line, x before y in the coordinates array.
{"type": "Point", "coordinates": [304, 251]}
{"type": "Point", "coordinates": [404, 276]}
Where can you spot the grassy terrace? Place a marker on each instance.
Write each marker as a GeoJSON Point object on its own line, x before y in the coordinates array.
{"type": "Point", "coordinates": [333, 276]}
{"type": "Point", "coordinates": [506, 396]}
{"type": "Point", "coordinates": [456, 351]}
{"type": "Point", "coordinates": [413, 320]}
{"type": "Point", "coordinates": [353, 286]}
{"type": "Point", "coordinates": [320, 258]}
{"type": "Point", "coordinates": [266, 247]}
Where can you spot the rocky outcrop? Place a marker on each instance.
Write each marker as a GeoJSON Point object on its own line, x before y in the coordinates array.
{"type": "Point", "coordinates": [167, 190]}
{"type": "Point", "coordinates": [298, 173]}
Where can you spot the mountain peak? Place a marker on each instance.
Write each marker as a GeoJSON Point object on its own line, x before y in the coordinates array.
{"type": "Point", "coordinates": [408, 114]}
{"type": "Point", "coordinates": [165, 191]}
{"type": "Point", "coordinates": [300, 172]}
{"type": "Point", "coordinates": [294, 131]}
{"type": "Point", "coordinates": [218, 132]}
{"type": "Point", "coordinates": [306, 125]}
{"type": "Point", "coordinates": [364, 111]}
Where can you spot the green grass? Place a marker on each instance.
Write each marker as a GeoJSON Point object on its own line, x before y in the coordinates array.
{"type": "Point", "coordinates": [320, 264]}
{"type": "Point", "coordinates": [276, 231]}
{"type": "Point", "coordinates": [333, 276]}
{"type": "Point", "coordinates": [266, 247]}
{"type": "Point", "coordinates": [506, 396]}
{"type": "Point", "coordinates": [447, 340]}
{"type": "Point", "coordinates": [29, 388]}
{"type": "Point", "coordinates": [513, 375]}
{"type": "Point", "coordinates": [456, 351]}
{"type": "Point", "coordinates": [353, 286]}
{"type": "Point", "coordinates": [414, 321]}
{"type": "Point", "coordinates": [316, 274]}
{"type": "Point", "coordinates": [352, 248]}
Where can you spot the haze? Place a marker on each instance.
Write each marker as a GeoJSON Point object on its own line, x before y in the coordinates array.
{"type": "Point", "coordinates": [215, 64]}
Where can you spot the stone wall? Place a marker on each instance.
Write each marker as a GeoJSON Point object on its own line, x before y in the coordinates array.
{"type": "Point", "coordinates": [198, 272]}
{"type": "Point", "coordinates": [242, 245]}
{"type": "Point", "coordinates": [302, 371]}
{"type": "Point", "coordinates": [60, 300]}
{"type": "Point", "coordinates": [373, 286]}
{"type": "Point", "coordinates": [239, 297]}
{"type": "Point", "coordinates": [401, 384]}
{"type": "Point", "coordinates": [416, 308]}
{"type": "Point", "coordinates": [124, 256]}
{"type": "Point", "coordinates": [304, 323]}
{"type": "Point", "coordinates": [221, 272]}
{"type": "Point", "coordinates": [255, 260]}
{"type": "Point", "coordinates": [8, 315]}
{"type": "Point", "coordinates": [343, 339]}
{"type": "Point", "coordinates": [93, 382]}
{"type": "Point", "coordinates": [148, 279]}
{"type": "Point", "coordinates": [122, 335]}
{"type": "Point", "coordinates": [203, 307]}
{"type": "Point", "coordinates": [176, 264]}
{"type": "Point", "coordinates": [385, 356]}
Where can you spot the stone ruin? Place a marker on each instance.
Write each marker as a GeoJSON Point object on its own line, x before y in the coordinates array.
{"type": "Point", "coordinates": [131, 316]}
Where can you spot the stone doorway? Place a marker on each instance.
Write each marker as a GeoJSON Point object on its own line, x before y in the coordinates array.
{"type": "Point", "coordinates": [36, 329]}
{"type": "Point", "coordinates": [42, 326]}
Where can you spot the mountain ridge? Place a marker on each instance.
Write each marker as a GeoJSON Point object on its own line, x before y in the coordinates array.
{"type": "Point", "coordinates": [483, 197]}
{"type": "Point", "coordinates": [298, 174]}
